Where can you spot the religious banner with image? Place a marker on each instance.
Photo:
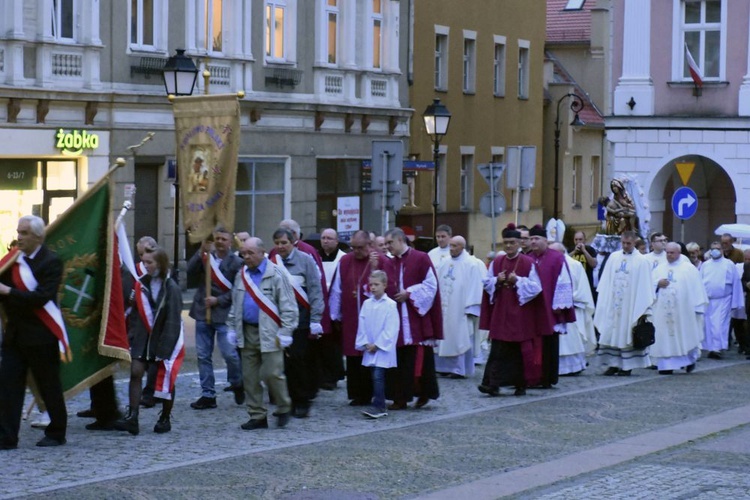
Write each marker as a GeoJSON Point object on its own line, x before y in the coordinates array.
{"type": "Point", "coordinates": [208, 134]}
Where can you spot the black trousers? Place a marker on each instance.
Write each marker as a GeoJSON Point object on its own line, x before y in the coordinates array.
{"type": "Point", "coordinates": [328, 359]}
{"type": "Point", "coordinates": [403, 383]}
{"type": "Point", "coordinates": [300, 378]}
{"type": "Point", "coordinates": [104, 400]}
{"type": "Point", "coordinates": [44, 363]}
{"type": "Point", "coordinates": [550, 360]}
{"type": "Point", "coordinates": [358, 380]}
{"type": "Point", "coordinates": [504, 365]}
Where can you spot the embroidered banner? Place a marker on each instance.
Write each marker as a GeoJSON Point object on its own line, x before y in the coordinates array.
{"type": "Point", "coordinates": [208, 134]}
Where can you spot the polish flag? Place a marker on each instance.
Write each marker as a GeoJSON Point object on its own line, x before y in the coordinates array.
{"type": "Point", "coordinates": [695, 71]}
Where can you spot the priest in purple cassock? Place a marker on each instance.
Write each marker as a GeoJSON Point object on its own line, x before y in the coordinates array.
{"type": "Point", "coordinates": [557, 292]}
{"type": "Point", "coordinates": [511, 309]}
{"type": "Point", "coordinates": [349, 290]}
{"type": "Point", "coordinates": [418, 300]}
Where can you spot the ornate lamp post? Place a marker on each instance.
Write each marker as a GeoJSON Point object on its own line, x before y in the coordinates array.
{"type": "Point", "coordinates": [576, 106]}
{"type": "Point", "coordinates": [180, 74]}
{"type": "Point", "coordinates": [436, 120]}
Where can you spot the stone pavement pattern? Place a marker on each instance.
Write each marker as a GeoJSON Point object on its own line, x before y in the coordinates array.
{"type": "Point", "coordinates": [335, 453]}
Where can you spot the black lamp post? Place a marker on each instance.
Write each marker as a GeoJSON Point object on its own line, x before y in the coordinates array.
{"type": "Point", "coordinates": [180, 74]}
{"type": "Point", "coordinates": [576, 106]}
{"type": "Point", "coordinates": [436, 121]}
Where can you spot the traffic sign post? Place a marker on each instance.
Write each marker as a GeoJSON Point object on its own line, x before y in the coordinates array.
{"type": "Point", "coordinates": [492, 203]}
{"type": "Point", "coordinates": [684, 206]}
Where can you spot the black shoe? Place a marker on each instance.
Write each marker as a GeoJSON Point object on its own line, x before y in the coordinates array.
{"type": "Point", "coordinates": [148, 401]}
{"type": "Point", "coordinates": [251, 424]}
{"type": "Point", "coordinates": [624, 373]}
{"type": "Point", "coordinates": [232, 388]}
{"type": "Point", "coordinates": [101, 425]}
{"type": "Point", "coordinates": [281, 420]}
{"type": "Point", "coordinates": [301, 412]}
{"type": "Point", "coordinates": [665, 372]}
{"type": "Point", "coordinates": [86, 413]}
{"type": "Point", "coordinates": [328, 386]}
{"type": "Point", "coordinates": [690, 368]}
{"type": "Point", "coordinates": [489, 390]}
{"type": "Point", "coordinates": [520, 391]}
{"type": "Point", "coordinates": [359, 402]}
{"type": "Point", "coordinates": [128, 423]}
{"type": "Point", "coordinates": [714, 355]}
{"type": "Point", "coordinates": [49, 441]}
{"type": "Point", "coordinates": [421, 402]}
{"type": "Point", "coordinates": [163, 425]}
{"type": "Point", "coordinates": [204, 403]}
{"type": "Point", "coordinates": [455, 376]}
{"type": "Point", "coordinates": [611, 371]}
{"type": "Point", "coordinates": [239, 395]}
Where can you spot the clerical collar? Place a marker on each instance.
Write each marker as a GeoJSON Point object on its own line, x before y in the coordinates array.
{"type": "Point", "coordinates": [514, 257]}
{"type": "Point", "coordinates": [627, 253]}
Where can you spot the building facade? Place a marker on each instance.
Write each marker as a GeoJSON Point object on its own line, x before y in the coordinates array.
{"type": "Point", "coordinates": [321, 79]}
{"type": "Point", "coordinates": [664, 123]}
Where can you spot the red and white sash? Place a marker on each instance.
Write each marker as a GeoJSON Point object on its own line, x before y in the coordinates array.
{"type": "Point", "coordinates": [144, 306]}
{"type": "Point", "coordinates": [299, 292]}
{"type": "Point", "coordinates": [167, 370]}
{"type": "Point", "coordinates": [217, 277]}
{"type": "Point", "coordinates": [264, 303]}
{"type": "Point", "coordinates": [49, 314]}
{"type": "Point", "coordinates": [140, 269]}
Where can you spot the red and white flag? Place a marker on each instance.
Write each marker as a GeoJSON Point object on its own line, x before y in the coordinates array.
{"type": "Point", "coordinates": [695, 71]}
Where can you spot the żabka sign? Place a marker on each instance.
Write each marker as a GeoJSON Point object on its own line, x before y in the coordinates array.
{"type": "Point", "coordinates": [74, 142]}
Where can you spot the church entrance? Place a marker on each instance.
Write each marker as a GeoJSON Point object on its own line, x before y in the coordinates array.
{"type": "Point", "coordinates": [716, 199]}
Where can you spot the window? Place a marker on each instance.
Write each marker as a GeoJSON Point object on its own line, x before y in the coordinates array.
{"type": "Point", "coordinates": [577, 181]}
{"type": "Point", "coordinates": [275, 12]}
{"type": "Point", "coordinates": [377, 38]}
{"type": "Point", "coordinates": [523, 69]}
{"type": "Point", "coordinates": [498, 65]}
{"type": "Point", "coordinates": [469, 66]}
{"type": "Point", "coordinates": [63, 25]}
{"type": "Point", "coordinates": [142, 23]}
{"type": "Point", "coordinates": [332, 23]}
{"type": "Point", "coordinates": [702, 35]}
{"type": "Point", "coordinates": [595, 179]}
{"type": "Point", "coordinates": [214, 27]}
{"type": "Point", "coordinates": [574, 5]}
{"type": "Point", "coordinates": [467, 162]}
{"type": "Point", "coordinates": [260, 195]}
{"type": "Point", "coordinates": [441, 58]}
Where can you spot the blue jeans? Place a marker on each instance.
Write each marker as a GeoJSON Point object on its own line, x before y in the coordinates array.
{"type": "Point", "coordinates": [204, 347]}
{"type": "Point", "coordinates": [378, 387]}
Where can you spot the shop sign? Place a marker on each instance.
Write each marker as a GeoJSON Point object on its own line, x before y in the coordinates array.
{"type": "Point", "coordinates": [347, 216]}
{"type": "Point", "coordinates": [74, 142]}
{"type": "Point", "coordinates": [17, 175]}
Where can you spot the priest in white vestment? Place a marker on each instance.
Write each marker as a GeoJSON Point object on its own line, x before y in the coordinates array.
{"type": "Point", "coordinates": [724, 289]}
{"type": "Point", "coordinates": [460, 281]}
{"type": "Point", "coordinates": [442, 251]}
{"type": "Point", "coordinates": [677, 313]}
{"type": "Point", "coordinates": [625, 294]}
{"type": "Point", "coordinates": [580, 339]}
{"type": "Point", "coordinates": [657, 255]}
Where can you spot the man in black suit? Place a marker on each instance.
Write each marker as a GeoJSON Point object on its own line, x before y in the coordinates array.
{"type": "Point", "coordinates": [29, 344]}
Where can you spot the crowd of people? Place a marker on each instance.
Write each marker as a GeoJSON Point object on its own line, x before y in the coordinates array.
{"type": "Point", "coordinates": [291, 319]}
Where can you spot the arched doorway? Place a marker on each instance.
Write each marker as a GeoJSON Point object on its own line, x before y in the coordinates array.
{"type": "Point", "coordinates": [716, 200]}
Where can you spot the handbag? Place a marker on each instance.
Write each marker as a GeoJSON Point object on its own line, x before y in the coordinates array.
{"type": "Point", "coordinates": [643, 333]}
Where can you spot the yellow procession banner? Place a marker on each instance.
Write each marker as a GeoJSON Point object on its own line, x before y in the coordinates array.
{"type": "Point", "coordinates": [208, 137]}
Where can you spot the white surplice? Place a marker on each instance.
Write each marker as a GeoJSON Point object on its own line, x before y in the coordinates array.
{"type": "Point", "coordinates": [580, 338]}
{"type": "Point", "coordinates": [378, 324]}
{"type": "Point", "coordinates": [724, 289]}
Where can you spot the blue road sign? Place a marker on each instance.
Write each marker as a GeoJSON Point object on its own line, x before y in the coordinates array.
{"type": "Point", "coordinates": [684, 203]}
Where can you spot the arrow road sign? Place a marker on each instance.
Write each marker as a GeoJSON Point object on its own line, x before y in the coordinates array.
{"type": "Point", "coordinates": [684, 203]}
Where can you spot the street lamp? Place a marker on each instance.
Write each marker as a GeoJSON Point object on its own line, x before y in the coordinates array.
{"type": "Point", "coordinates": [180, 74]}
{"type": "Point", "coordinates": [436, 121]}
{"type": "Point", "coordinates": [576, 106]}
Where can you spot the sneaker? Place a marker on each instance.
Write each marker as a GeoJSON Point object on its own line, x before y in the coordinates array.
{"type": "Point", "coordinates": [163, 424]}
{"type": "Point", "coordinates": [42, 422]}
{"type": "Point", "coordinates": [203, 403]}
{"type": "Point", "coordinates": [375, 413]}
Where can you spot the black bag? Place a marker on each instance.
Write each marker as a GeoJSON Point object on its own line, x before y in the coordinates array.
{"type": "Point", "coordinates": [643, 334]}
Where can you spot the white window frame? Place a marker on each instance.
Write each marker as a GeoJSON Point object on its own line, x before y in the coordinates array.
{"type": "Point", "coordinates": [466, 193]}
{"type": "Point", "coordinates": [574, 5]}
{"type": "Point", "coordinates": [576, 177]}
{"type": "Point", "coordinates": [373, 18]}
{"type": "Point", "coordinates": [470, 62]}
{"type": "Point", "coordinates": [679, 59]}
{"type": "Point", "coordinates": [208, 27]}
{"type": "Point", "coordinates": [283, 162]}
{"type": "Point", "coordinates": [442, 42]}
{"type": "Point", "coordinates": [55, 7]}
{"type": "Point", "coordinates": [498, 66]}
{"type": "Point", "coordinates": [595, 179]}
{"type": "Point", "coordinates": [289, 55]}
{"type": "Point", "coordinates": [524, 63]}
{"type": "Point", "coordinates": [329, 10]}
{"type": "Point", "coordinates": [159, 28]}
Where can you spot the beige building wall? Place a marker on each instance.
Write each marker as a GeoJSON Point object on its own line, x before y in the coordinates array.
{"type": "Point", "coordinates": [483, 124]}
